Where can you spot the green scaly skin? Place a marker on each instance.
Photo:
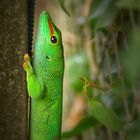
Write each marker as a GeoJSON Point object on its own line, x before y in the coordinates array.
{"type": "Point", "coordinates": [45, 81]}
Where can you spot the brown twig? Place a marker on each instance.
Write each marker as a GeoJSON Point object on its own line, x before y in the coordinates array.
{"type": "Point", "coordinates": [89, 84]}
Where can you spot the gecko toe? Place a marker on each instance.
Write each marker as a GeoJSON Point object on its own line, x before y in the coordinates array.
{"type": "Point", "coordinates": [26, 57]}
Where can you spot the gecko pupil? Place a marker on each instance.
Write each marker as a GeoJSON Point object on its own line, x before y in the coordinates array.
{"type": "Point", "coordinates": [53, 39]}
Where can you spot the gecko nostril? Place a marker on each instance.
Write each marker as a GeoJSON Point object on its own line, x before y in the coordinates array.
{"type": "Point", "coordinates": [47, 57]}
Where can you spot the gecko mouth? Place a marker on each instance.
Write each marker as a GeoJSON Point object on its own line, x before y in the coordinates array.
{"type": "Point", "coordinates": [47, 57]}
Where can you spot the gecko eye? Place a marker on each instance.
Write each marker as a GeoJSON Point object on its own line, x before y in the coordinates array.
{"type": "Point", "coordinates": [53, 39]}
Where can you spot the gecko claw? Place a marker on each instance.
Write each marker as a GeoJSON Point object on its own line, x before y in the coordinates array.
{"type": "Point", "coordinates": [27, 58]}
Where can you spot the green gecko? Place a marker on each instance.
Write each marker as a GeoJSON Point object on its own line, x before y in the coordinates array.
{"type": "Point", "coordinates": [45, 81]}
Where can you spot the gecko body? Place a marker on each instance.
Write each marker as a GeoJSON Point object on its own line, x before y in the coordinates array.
{"type": "Point", "coordinates": [45, 80]}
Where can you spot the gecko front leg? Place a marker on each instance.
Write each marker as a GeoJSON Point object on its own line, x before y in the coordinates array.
{"type": "Point", "coordinates": [34, 86]}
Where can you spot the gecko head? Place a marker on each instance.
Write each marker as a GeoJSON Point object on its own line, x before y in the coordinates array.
{"type": "Point", "coordinates": [50, 37]}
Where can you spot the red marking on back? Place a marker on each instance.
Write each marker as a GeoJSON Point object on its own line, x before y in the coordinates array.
{"type": "Point", "coordinates": [50, 27]}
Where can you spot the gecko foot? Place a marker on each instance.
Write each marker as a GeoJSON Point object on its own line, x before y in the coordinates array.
{"type": "Point", "coordinates": [27, 64]}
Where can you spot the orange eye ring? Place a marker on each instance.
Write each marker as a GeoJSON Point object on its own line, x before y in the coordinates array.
{"type": "Point", "coordinates": [53, 39]}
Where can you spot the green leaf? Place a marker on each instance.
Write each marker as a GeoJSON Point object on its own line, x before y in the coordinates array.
{"type": "Point", "coordinates": [131, 57]}
{"type": "Point", "coordinates": [77, 68]}
{"type": "Point", "coordinates": [105, 115]}
{"type": "Point", "coordinates": [62, 4]}
{"type": "Point", "coordinates": [84, 124]}
{"type": "Point", "coordinates": [103, 13]}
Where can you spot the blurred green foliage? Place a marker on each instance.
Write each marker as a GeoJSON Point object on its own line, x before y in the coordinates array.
{"type": "Point", "coordinates": [78, 67]}
{"type": "Point", "coordinates": [84, 124]}
{"type": "Point", "coordinates": [132, 56]}
{"type": "Point", "coordinates": [62, 4]}
{"type": "Point", "coordinates": [102, 13]}
{"type": "Point", "coordinates": [129, 4]}
{"type": "Point", "coordinates": [105, 115]}
{"type": "Point", "coordinates": [119, 66]}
